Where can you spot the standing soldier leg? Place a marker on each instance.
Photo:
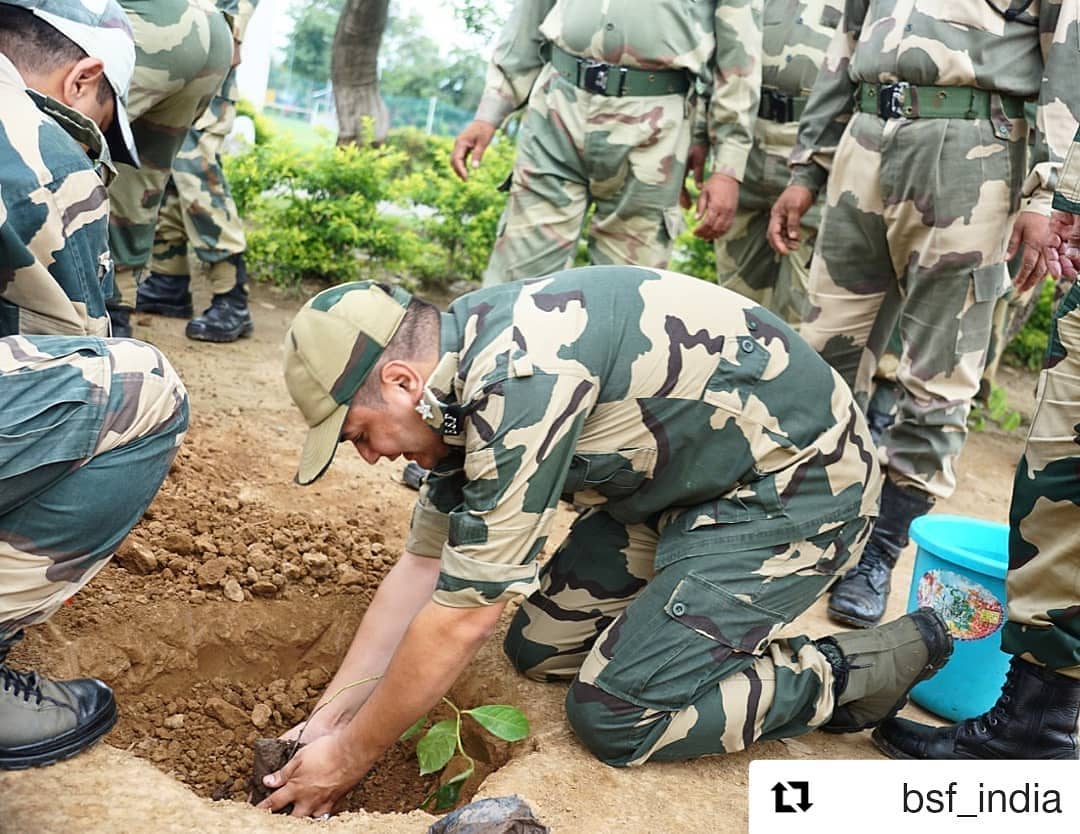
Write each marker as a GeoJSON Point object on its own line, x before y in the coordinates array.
{"type": "Point", "coordinates": [540, 228]}
{"type": "Point", "coordinates": [747, 264]}
{"type": "Point", "coordinates": [115, 413]}
{"type": "Point", "coordinates": [183, 50]}
{"type": "Point", "coordinates": [1036, 715]}
{"type": "Point", "coordinates": [635, 156]}
{"type": "Point", "coordinates": [166, 290]}
{"type": "Point", "coordinates": [951, 275]}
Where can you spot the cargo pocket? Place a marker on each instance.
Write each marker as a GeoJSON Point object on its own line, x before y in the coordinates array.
{"type": "Point", "coordinates": [700, 635]}
{"type": "Point", "coordinates": [988, 284]}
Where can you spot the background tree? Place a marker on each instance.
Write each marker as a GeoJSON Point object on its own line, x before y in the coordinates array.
{"type": "Point", "coordinates": [354, 70]}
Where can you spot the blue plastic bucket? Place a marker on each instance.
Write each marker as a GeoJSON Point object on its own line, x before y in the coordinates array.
{"type": "Point", "coordinates": [960, 572]}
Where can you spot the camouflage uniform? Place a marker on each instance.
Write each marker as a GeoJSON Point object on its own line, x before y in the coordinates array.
{"type": "Point", "coordinates": [918, 209]}
{"type": "Point", "coordinates": [626, 156]}
{"type": "Point", "coordinates": [88, 430]}
{"type": "Point", "coordinates": [728, 476]}
{"type": "Point", "coordinates": [197, 208]}
{"type": "Point", "coordinates": [1043, 583]}
{"type": "Point", "coordinates": [55, 268]}
{"type": "Point", "coordinates": [184, 49]}
{"type": "Point", "coordinates": [795, 35]}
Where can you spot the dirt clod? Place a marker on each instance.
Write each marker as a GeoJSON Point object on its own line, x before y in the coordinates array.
{"type": "Point", "coordinates": [271, 754]}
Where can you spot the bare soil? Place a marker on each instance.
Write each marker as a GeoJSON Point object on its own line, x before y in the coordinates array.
{"type": "Point", "coordinates": [228, 608]}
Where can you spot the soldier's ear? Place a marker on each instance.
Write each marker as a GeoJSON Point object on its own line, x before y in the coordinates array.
{"type": "Point", "coordinates": [82, 83]}
{"type": "Point", "coordinates": [401, 379]}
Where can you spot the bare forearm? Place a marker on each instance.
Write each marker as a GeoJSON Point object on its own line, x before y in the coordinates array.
{"type": "Point", "coordinates": [402, 593]}
{"type": "Point", "coordinates": [438, 646]}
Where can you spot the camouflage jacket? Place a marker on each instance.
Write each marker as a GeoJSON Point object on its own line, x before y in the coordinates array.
{"type": "Point", "coordinates": [55, 267]}
{"type": "Point", "coordinates": [718, 42]}
{"type": "Point", "coordinates": [652, 393]}
{"type": "Point", "coordinates": [1067, 197]}
{"type": "Point", "coordinates": [795, 36]}
{"type": "Point", "coordinates": [950, 43]}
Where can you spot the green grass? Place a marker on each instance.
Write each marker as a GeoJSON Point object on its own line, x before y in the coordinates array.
{"type": "Point", "coordinates": [300, 132]}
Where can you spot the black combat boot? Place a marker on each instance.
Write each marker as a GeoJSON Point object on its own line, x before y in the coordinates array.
{"type": "Point", "coordinates": [228, 317]}
{"type": "Point", "coordinates": [165, 295]}
{"type": "Point", "coordinates": [1034, 718]}
{"type": "Point", "coordinates": [859, 598]}
{"type": "Point", "coordinates": [120, 320]}
{"type": "Point", "coordinates": [43, 721]}
{"type": "Point", "coordinates": [875, 669]}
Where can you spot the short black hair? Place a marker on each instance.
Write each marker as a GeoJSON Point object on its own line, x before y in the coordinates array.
{"type": "Point", "coordinates": [34, 45]}
{"type": "Point", "coordinates": [416, 338]}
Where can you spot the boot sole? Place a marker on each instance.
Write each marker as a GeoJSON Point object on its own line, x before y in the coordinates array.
{"type": "Point", "coordinates": [888, 749]}
{"type": "Point", "coordinates": [70, 744]}
{"type": "Point", "coordinates": [170, 311]}
{"type": "Point", "coordinates": [849, 620]}
{"type": "Point", "coordinates": [221, 338]}
{"type": "Point", "coordinates": [940, 633]}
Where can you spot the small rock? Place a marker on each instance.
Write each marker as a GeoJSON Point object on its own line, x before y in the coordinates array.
{"type": "Point", "coordinates": [174, 722]}
{"type": "Point", "coordinates": [180, 542]}
{"type": "Point", "coordinates": [318, 564]}
{"type": "Point", "coordinates": [197, 596]}
{"type": "Point", "coordinates": [259, 559]}
{"type": "Point", "coordinates": [211, 573]}
{"type": "Point", "coordinates": [135, 557]}
{"type": "Point", "coordinates": [233, 591]}
{"type": "Point", "coordinates": [260, 715]}
{"type": "Point", "coordinates": [264, 588]}
{"type": "Point", "coordinates": [292, 571]}
{"type": "Point", "coordinates": [225, 713]}
{"type": "Point", "coordinates": [348, 575]}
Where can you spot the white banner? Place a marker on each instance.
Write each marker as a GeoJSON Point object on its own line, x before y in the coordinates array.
{"type": "Point", "coordinates": [921, 797]}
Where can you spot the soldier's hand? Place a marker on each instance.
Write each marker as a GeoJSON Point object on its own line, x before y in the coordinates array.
{"type": "Point", "coordinates": [716, 206]}
{"type": "Point", "coordinates": [1063, 246]}
{"type": "Point", "coordinates": [695, 163]}
{"type": "Point", "coordinates": [785, 218]}
{"type": "Point", "coordinates": [470, 146]}
{"type": "Point", "coordinates": [1031, 232]}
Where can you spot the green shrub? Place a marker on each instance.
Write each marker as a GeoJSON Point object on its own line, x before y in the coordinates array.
{"type": "Point", "coordinates": [692, 255]}
{"type": "Point", "coordinates": [264, 131]}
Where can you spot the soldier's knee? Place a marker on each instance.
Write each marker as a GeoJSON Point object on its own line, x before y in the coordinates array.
{"type": "Point", "coordinates": [525, 655]}
{"type": "Point", "coordinates": [608, 726]}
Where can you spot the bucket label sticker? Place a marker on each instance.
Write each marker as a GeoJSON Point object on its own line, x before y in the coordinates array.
{"type": "Point", "coordinates": [971, 611]}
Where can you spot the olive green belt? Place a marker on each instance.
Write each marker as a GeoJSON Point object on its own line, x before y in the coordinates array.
{"type": "Point", "coordinates": [611, 80]}
{"type": "Point", "coordinates": [924, 101]}
{"type": "Point", "coordinates": [780, 107]}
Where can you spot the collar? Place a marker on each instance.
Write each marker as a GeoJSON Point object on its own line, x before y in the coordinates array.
{"type": "Point", "coordinates": [438, 406]}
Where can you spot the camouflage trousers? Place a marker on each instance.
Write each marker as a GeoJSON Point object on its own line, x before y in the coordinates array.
{"type": "Point", "coordinates": [680, 661]}
{"type": "Point", "coordinates": [914, 231]}
{"type": "Point", "coordinates": [746, 263]}
{"type": "Point", "coordinates": [198, 209]}
{"type": "Point", "coordinates": [626, 157]}
{"type": "Point", "coordinates": [88, 430]}
{"type": "Point", "coordinates": [183, 50]}
{"type": "Point", "coordinates": [1042, 587]}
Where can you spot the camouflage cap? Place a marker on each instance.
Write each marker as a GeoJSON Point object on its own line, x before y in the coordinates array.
{"type": "Point", "coordinates": [102, 30]}
{"type": "Point", "coordinates": [331, 346]}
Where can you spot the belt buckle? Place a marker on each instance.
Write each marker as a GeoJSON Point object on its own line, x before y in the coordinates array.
{"type": "Point", "coordinates": [781, 107]}
{"type": "Point", "coordinates": [594, 76]}
{"type": "Point", "coordinates": [890, 103]}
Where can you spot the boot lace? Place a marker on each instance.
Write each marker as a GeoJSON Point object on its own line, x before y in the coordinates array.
{"type": "Point", "coordinates": [998, 713]}
{"type": "Point", "coordinates": [23, 685]}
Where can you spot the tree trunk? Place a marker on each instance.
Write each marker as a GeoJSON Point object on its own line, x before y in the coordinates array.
{"type": "Point", "coordinates": [354, 71]}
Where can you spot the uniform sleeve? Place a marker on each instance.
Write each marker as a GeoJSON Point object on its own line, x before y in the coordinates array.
{"type": "Point", "coordinates": [55, 269]}
{"type": "Point", "coordinates": [831, 104]}
{"type": "Point", "coordinates": [736, 85]}
{"type": "Point", "coordinates": [515, 63]}
{"type": "Point", "coordinates": [1067, 197]}
{"type": "Point", "coordinates": [519, 447]}
{"type": "Point", "coordinates": [1059, 106]}
{"type": "Point", "coordinates": [245, 10]}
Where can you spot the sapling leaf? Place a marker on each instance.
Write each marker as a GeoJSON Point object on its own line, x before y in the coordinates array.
{"type": "Point", "coordinates": [505, 722]}
{"type": "Point", "coordinates": [1011, 421]}
{"type": "Point", "coordinates": [436, 748]}
{"type": "Point", "coordinates": [414, 729]}
{"type": "Point", "coordinates": [446, 796]}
